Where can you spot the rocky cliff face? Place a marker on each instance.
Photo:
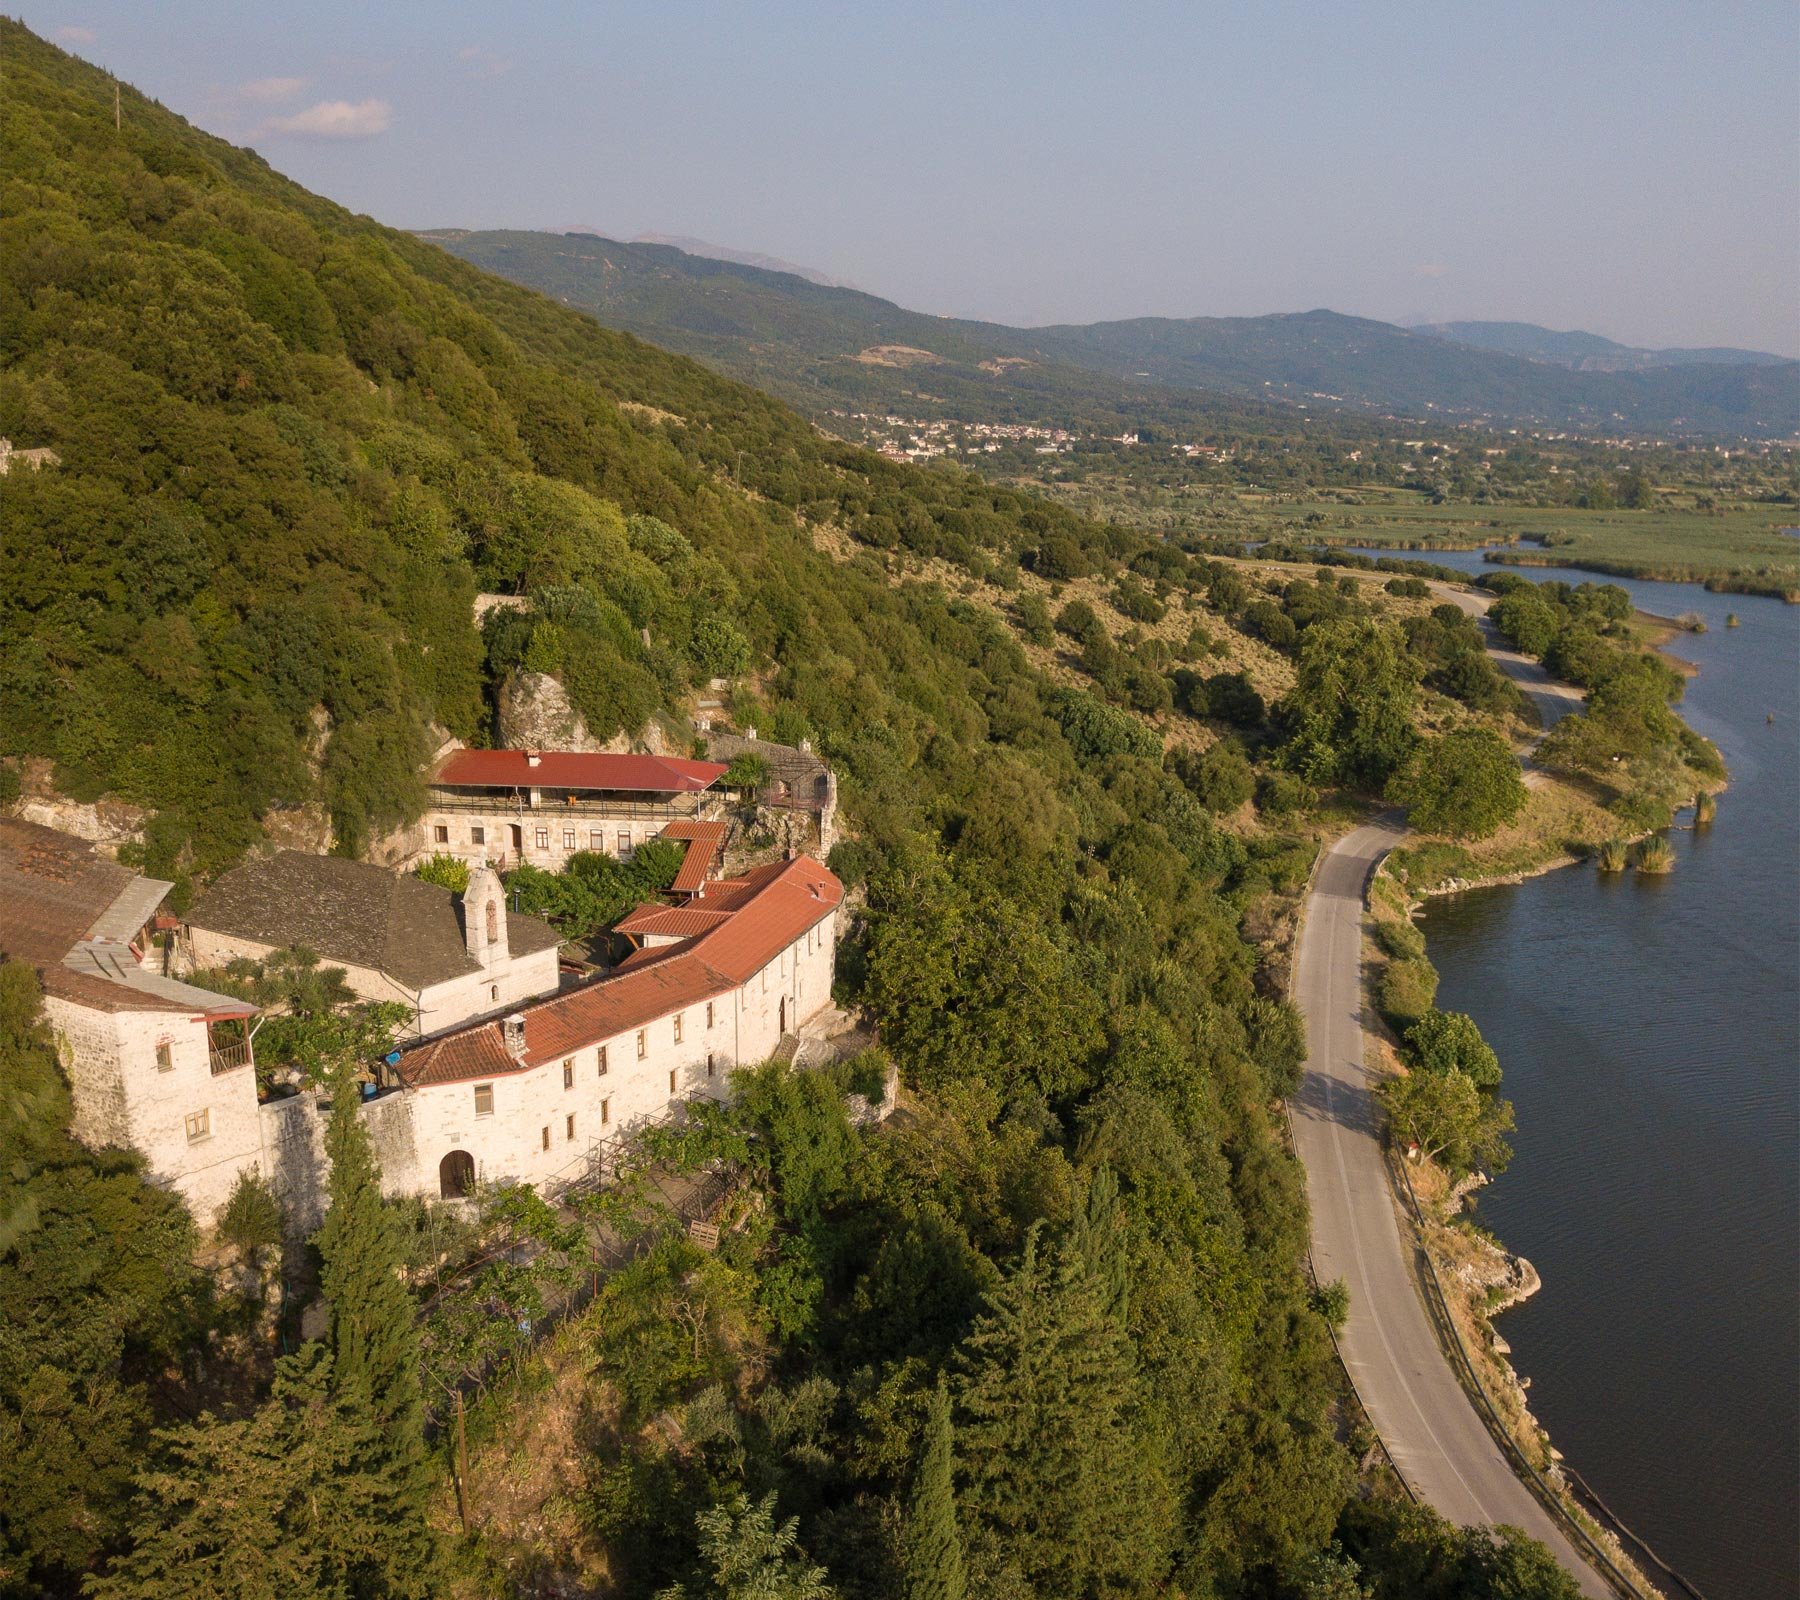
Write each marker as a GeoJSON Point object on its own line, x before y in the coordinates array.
{"type": "Point", "coordinates": [535, 714]}
{"type": "Point", "coordinates": [107, 822]}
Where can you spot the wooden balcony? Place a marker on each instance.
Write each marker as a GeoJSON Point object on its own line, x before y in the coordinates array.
{"type": "Point", "coordinates": [228, 1057]}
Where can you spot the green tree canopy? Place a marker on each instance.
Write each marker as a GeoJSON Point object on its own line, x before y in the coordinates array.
{"type": "Point", "coordinates": [1465, 783]}
{"type": "Point", "coordinates": [1349, 715]}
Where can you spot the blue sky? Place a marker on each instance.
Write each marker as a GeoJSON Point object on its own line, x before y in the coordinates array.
{"type": "Point", "coordinates": [1632, 168]}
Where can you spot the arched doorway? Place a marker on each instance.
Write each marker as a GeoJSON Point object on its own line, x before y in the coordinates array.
{"type": "Point", "coordinates": [456, 1175]}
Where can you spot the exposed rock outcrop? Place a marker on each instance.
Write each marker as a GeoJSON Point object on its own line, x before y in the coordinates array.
{"type": "Point", "coordinates": [106, 822]}
{"type": "Point", "coordinates": [535, 714]}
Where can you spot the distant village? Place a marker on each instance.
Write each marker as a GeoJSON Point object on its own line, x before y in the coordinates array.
{"type": "Point", "coordinates": [516, 1063]}
{"type": "Point", "coordinates": [925, 439]}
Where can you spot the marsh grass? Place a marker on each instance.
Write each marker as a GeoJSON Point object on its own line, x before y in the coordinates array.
{"type": "Point", "coordinates": [1611, 856]}
{"type": "Point", "coordinates": [1705, 809]}
{"type": "Point", "coordinates": [1656, 856]}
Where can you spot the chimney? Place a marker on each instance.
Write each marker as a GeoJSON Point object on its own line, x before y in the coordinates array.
{"type": "Point", "coordinates": [806, 747]}
{"type": "Point", "coordinates": [749, 733]}
{"type": "Point", "coordinates": [533, 759]}
{"type": "Point", "coordinates": [512, 1035]}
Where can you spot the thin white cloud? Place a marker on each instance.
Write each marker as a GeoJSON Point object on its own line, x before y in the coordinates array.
{"type": "Point", "coordinates": [270, 91]}
{"type": "Point", "coordinates": [336, 119]}
{"type": "Point", "coordinates": [482, 62]}
{"type": "Point", "coordinates": [75, 35]}
{"type": "Point", "coordinates": [1431, 269]}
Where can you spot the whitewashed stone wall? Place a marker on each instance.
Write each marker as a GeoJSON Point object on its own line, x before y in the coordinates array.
{"type": "Point", "coordinates": [561, 835]}
{"type": "Point", "coordinates": [541, 1130]}
{"type": "Point", "coordinates": [500, 986]}
{"type": "Point", "coordinates": [122, 1097]}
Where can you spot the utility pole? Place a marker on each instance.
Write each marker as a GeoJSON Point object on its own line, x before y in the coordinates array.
{"type": "Point", "coordinates": [462, 1467]}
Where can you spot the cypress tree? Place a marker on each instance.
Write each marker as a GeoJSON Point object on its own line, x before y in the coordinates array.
{"type": "Point", "coordinates": [373, 1342]}
{"type": "Point", "coordinates": [1067, 1482]}
{"type": "Point", "coordinates": [374, 1348]}
{"type": "Point", "coordinates": [934, 1556]}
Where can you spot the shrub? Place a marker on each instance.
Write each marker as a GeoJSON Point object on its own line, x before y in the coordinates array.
{"type": "Point", "coordinates": [1332, 1302]}
{"type": "Point", "coordinates": [1656, 855]}
{"type": "Point", "coordinates": [1409, 588]}
{"type": "Point", "coordinates": [720, 650]}
{"type": "Point", "coordinates": [1268, 622]}
{"type": "Point", "coordinates": [1078, 621]}
{"type": "Point", "coordinates": [1611, 856]}
{"type": "Point", "coordinates": [1281, 794]}
{"type": "Point", "coordinates": [1033, 617]}
{"type": "Point", "coordinates": [251, 1220]}
{"type": "Point", "coordinates": [747, 770]}
{"type": "Point", "coordinates": [1220, 777]}
{"type": "Point", "coordinates": [1406, 991]}
{"type": "Point", "coordinates": [447, 872]}
{"type": "Point", "coordinates": [1449, 1041]}
{"type": "Point", "coordinates": [1399, 939]}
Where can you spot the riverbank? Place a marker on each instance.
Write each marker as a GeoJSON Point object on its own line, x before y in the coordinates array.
{"type": "Point", "coordinates": [1476, 1277]}
{"type": "Point", "coordinates": [1647, 1032]}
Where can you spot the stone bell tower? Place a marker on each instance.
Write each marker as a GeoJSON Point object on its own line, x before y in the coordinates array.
{"type": "Point", "coordinates": [484, 917]}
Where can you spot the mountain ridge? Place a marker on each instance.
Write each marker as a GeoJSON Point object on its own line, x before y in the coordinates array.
{"type": "Point", "coordinates": [1589, 352]}
{"type": "Point", "coordinates": [795, 337]}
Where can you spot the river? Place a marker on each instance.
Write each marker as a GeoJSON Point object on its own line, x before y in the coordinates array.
{"type": "Point", "coordinates": [1647, 1029]}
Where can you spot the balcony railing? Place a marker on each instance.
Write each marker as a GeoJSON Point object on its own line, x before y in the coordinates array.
{"type": "Point", "coordinates": [548, 808]}
{"type": "Point", "coordinates": [229, 1057]}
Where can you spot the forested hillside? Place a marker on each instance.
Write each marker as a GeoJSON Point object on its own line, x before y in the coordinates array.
{"type": "Point", "coordinates": [816, 344]}
{"type": "Point", "coordinates": [1050, 1336]}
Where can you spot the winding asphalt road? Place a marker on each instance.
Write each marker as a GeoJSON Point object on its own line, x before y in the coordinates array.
{"type": "Point", "coordinates": [1428, 1423]}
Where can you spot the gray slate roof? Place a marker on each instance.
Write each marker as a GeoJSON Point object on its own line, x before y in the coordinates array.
{"type": "Point", "coordinates": [353, 913]}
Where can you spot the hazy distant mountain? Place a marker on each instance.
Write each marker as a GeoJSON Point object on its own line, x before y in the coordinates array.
{"type": "Point", "coordinates": [823, 346]}
{"type": "Point", "coordinates": [1587, 352]}
{"type": "Point", "coordinates": [743, 258]}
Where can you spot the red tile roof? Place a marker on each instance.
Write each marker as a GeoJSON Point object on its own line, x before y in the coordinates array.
{"type": "Point", "coordinates": [769, 909]}
{"type": "Point", "coordinates": [677, 922]}
{"type": "Point", "coordinates": [565, 769]}
{"type": "Point", "coordinates": [703, 842]}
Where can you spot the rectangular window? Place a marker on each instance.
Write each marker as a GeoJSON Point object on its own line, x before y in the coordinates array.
{"type": "Point", "coordinates": [199, 1126]}
{"type": "Point", "coordinates": [709, 1013]}
{"type": "Point", "coordinates": [165, 1056]}
{"type": "Point", "coordinates": [484, 1099]}
{"type": "Point", "coordinates": [477, 834]}
{"type": "Point", "coordinates": [643, 1043]}
{"type": "Point", "coordinates": [543, 838]}
{"type": "Point", "coordinates": [678, 1027]}
{"type": "Point", "coordinates": [711, 1065]}
{"type": "Point", "coordinates": [602, 1057]}
{"type": "Point", "coordinates": [546, 1136]}
{"type": "Point", "coordinates": [624, 843]}
{"type": "Point", "coordinates": [440, 833]}
{"type": "Point", "coordinates": [671, 1083]}
{"type": "Point", "coordinates": [596, 839]}
{"type": "Point", "coordinates": [569, 1126]}
{"type": "Point", "coordinates": [569, 1074]}
{"type": "Point", "coordinates": [568, 838]}
{"type": "Point", "coordinates": [605, 1112]}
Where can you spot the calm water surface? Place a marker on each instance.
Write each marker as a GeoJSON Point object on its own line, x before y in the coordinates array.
{"type": "Point", "coordinates": [1647, 1028]}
